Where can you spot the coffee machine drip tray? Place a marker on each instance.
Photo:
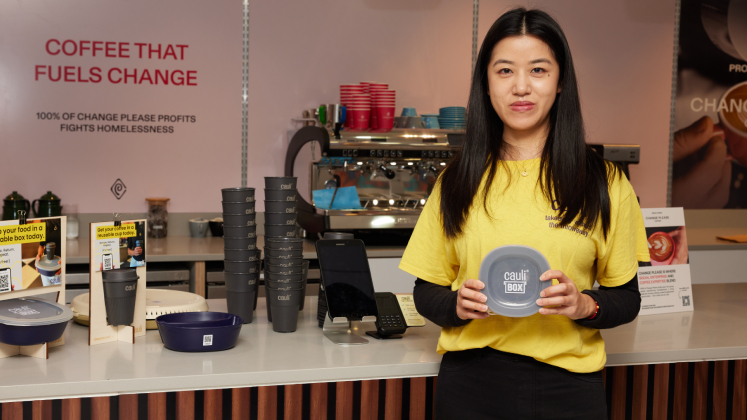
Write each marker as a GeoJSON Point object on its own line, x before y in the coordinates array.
{"type": "Point", "coordinates": [394, 218]}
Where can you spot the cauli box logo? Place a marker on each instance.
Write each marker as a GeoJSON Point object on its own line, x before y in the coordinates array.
{"type": "Point", "coordinates": [515, 282]}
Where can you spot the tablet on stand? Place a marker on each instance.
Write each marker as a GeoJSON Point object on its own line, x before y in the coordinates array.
{"type": "Point", "coordinates": [348, 287]}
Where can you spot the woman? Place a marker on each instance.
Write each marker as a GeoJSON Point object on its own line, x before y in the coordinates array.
{"type": "Point", "coordinates": [525, 176]}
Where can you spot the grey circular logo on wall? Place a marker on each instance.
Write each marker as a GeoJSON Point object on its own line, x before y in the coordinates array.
{"type": "Point", "coordinates": [118, 189]}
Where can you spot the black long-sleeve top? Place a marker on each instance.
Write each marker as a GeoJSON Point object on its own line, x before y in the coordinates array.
{"type": "Point", "coordinates": [617, 305]}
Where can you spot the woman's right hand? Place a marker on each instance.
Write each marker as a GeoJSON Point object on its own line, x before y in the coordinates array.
{"type": "Point", "coordinates": [471, 302]}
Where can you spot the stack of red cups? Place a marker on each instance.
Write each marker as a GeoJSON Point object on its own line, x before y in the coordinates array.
{"type": "Point", "coordinates": [383, 104]}
{"type": "Point", "coordinates": [361, 111]}
{"type": "Point", "coordinates": [346, 99]}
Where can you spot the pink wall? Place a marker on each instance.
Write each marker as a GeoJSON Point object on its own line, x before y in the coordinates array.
{"type": "Point", "coordinates": [300, 52]}
{"type": "Point", "coordinates": [299, 56]}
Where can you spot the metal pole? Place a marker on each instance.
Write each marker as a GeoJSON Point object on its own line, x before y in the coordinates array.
{"type": "Point", "coordinates": [245, 97]}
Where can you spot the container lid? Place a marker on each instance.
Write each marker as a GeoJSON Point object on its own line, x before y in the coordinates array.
{"type": "Point", "coordinates": [49, 197]}
{"type": "Point", "coordinates": [49, 265]}
{"type": "Point", "coordinates": [14, 196]}
{"type": "Point", "coordinates": [511, 276]}
{"type": "Point", "coordinates": [237, 189]}
{"type": "Point", "coordinates": [30, 312]}
{"type": "Point", "coordinates": [120, 274]}
{"type": "Point", "coordinates": [157, 200]}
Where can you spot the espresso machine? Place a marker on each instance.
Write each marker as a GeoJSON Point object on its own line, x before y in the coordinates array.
{"type": "Point", "coordinates": [393, 173]}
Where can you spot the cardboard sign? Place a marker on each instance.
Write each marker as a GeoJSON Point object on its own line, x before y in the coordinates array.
{"type": "Point", "coordinates": [115, 247]}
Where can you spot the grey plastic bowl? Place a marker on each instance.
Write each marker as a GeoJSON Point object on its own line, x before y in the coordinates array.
{"type": "Point", "coordinates": [286, 207]}
{"type": "Point", "coordinates": [288, 219]}
{"type": "Point", "coordinates": [511, 277]}
{"type": "Point", "coordinates": [281, 195]}
{"type": "Point", "coordinates": [282, 183]}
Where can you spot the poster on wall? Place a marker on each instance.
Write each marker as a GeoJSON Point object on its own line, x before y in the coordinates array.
{"type": "Point", "coordinates": [666, 286]}
{"type": "Point", "coordinates": [710, 119]}
{"type": "Point", "coordinates": [114, 102]}
{"type": "Point", "coordinates": [32, 255]}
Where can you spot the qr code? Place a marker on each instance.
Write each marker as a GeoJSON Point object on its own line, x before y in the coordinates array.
{"type": "Point", "coordinates": [207, 340]}
{"type": "Point", "coordinates": [4, 280]}
{"type": "Point", "coordinates": [108, 262]}
{"type": "Point", "coordinates": [24, 311]}
{"type": "Point", "coordinates": [685, 300]}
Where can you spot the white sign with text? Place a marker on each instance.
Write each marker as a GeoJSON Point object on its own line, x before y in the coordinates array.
{"type": "Point", "coordinates": [665, 286]}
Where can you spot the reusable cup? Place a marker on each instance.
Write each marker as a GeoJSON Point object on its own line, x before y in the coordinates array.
{"type": "Point", "coordinates": [280, 231]}
{"type": "Point", "coordinates": [239, 219]}
{"type": "Point", "coordinates": [120, 291]}
{"type": "Point", "coordinates": [280, 182]}
{"type": "Point", "coordinates": [287, 219]}
{"type": "Point", "coordinates": [240, 231]}
{"type": "Point", "coordinates": [286, 207]}
{"type": "Point", "coordinates": [281, 195]}
{"type": "Point", "coordinates": [241, 304]}
{"type": "Point", "coordinates": [285, 307]}
{"type": "Point", "coordinates": [238, 207]}
{"type": "Point", "coordinates": [285, 244]}
{"type": "Point", "coordinates": [242, 194]}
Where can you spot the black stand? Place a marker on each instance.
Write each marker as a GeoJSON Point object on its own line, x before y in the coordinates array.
{"type": "Point", "coordinates": [376, 335]}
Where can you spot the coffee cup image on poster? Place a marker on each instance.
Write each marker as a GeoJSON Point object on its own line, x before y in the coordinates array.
{"type": "Point", "coordinates": [710, 140]}
{"type": "Point", "coordinates": [667, 245]}
{"type": "Point", "coordinates": [121, 252]}
{"type": "Point", "coordinates": [32, 264]}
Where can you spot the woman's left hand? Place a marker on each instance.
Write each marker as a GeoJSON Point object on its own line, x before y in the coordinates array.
{"type": "Point", "coordinates": [565, 298]}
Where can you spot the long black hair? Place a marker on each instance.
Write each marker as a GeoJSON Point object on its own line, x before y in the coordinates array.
{"type": "Point", "coordinates": [572, 176]}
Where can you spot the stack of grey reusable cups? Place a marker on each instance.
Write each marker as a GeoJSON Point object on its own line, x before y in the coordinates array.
{"type": "Point", "coordinates": [242, 258]}
{"type": "Point", "coordinates": [285, 281]}
{"type": "Point", "coordinates": [284, 264]}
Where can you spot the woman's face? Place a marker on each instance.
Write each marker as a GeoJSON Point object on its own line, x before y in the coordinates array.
{"type": "Point", "coordinates": [523, 82]}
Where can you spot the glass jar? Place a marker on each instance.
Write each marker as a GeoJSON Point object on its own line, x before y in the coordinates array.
{"type": "Point", "coordinates": [158, 217]}
{"type": "Point", "coordinates": [72, 221]}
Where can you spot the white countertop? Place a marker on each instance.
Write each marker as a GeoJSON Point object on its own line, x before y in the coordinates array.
{"type": "Point", "coordinates": [716, 330]}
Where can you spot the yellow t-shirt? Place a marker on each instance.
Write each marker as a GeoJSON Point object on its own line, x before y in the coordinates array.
{"type": "Point", "coordinates": [521, 215]}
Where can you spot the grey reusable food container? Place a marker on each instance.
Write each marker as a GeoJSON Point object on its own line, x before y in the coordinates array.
{"type": "Point", "coordinates": [49, 264]}
{"type": "Point", "coordinates": [511, 276]}
{"type": "Point", "coordinates": [280, 183]}
{"type": "Point", "coordinates": [281, 195]}
{"type": "Point", "coordinates": [29, 321]}
{"type": "Point", "coordinates": [120, 290]}
{"type": "Point", "coordinates": [241, 194]}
